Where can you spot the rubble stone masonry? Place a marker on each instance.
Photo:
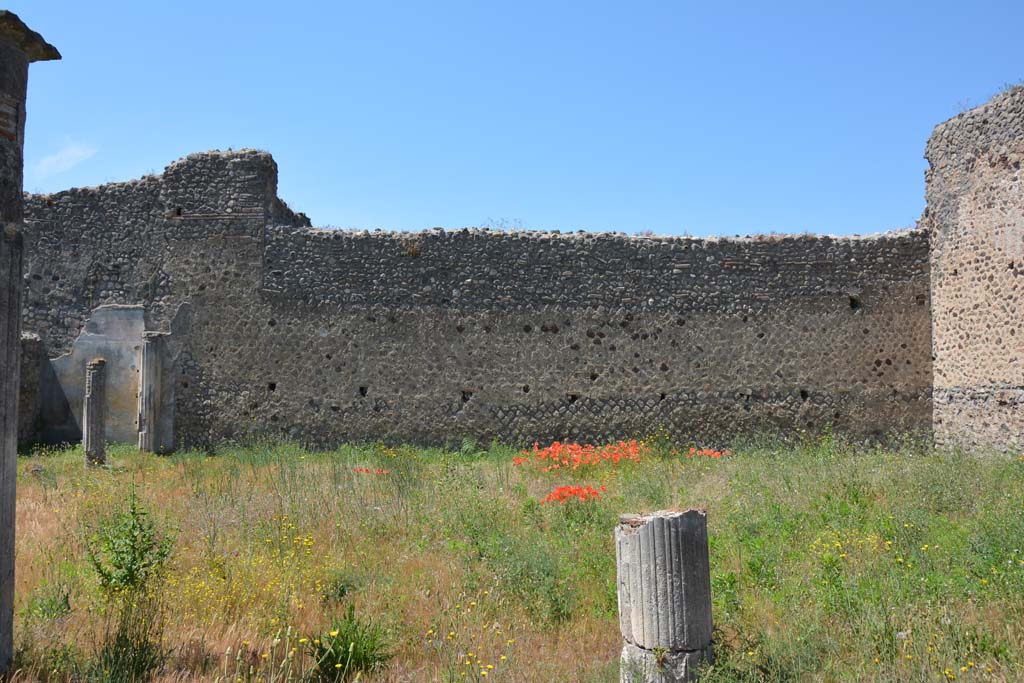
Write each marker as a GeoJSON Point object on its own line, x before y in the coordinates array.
{"type": "Point", "coordinates": [325, 336]}
{"type": "Point", "coordinates": [975, 191]}
{"type": "Point", "coordinates": [274, 328]}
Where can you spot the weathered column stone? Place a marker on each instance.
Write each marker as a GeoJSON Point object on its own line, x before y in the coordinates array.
{"type": "Point", "coordinates": [149, 392]}
{"type": "Point", "coordinates": [18, 46]}
{"type": "Point", "coordinates": [94, 413]}
{"type": "Point", "coordinates": [664, 582]}
{"type": "Point", "coordinates": [10, 342]}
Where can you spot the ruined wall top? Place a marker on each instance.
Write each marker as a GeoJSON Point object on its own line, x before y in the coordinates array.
{"type": "Point", "coordinates": [958, 141]}
{"type": "Point", "coordinates": [14, 30]}
{"type": "Point", "coordinates": [512, 335]}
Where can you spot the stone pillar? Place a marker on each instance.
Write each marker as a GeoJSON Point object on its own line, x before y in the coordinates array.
{"type": "Point", "coordinates": [94, 413]}
{"type": "Point", "coordinates": [18, 47]}
{"type": "Point", "coordinates": [664, 582]}
{"type": "Point", "coordinates": [150, 392]}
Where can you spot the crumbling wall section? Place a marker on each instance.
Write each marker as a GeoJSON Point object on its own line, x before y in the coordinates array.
{"type": "Point", "coordinates": [326, 336]}
{"type": "Point", "coordinates": [975, 191]}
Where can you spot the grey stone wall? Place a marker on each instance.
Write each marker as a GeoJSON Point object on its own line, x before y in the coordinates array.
{"type": "Point", "coordinates": [325, 336]}
{"type": "Point", "coordinates": [33, 355]}
{"type": "Point", "coordinates": [975, 190]}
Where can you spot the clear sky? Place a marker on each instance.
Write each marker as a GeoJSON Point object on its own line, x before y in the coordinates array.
{"type": "Point", "coordinates": [702, 117]}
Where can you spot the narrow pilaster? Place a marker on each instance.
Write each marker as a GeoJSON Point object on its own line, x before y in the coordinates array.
{"type": "Point", "coordinates": [149, 392]}
{"type": "Point", "coordinates": [664, 586]}
{"type": "Point", "coordinates": [94, 413]}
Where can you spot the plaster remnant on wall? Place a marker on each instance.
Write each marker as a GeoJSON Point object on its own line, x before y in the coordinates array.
{"type": "Point", "coordinates": [114, 333]}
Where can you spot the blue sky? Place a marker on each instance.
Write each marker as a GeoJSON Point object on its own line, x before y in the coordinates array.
{"type": "Point", "coordinates": [709, 118]}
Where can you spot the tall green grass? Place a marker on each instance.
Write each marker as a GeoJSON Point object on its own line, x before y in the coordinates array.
{"type": "Point", "coordinates": [831, 561]}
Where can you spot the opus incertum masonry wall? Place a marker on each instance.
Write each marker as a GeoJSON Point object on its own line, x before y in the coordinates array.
{"type": "Point", "coordinates": [271, 327]}
{"type": "Point", "coordinates": [976, 218]}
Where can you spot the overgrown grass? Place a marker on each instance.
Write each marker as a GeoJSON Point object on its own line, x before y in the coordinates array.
{"type": "Point", "coordinates": [830, 562]}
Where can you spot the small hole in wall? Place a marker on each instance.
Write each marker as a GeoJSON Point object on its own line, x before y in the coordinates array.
{"type": "Point", "coordinates": [527, 328]}
{"type": "Point", "coordinates": [184, 385]}
{"type": "Point", "coordinates": [956, 272]}
{"type": "Point", "coordinates": [335, 409]}
{"type": "Point", "coordinates": [272, 322]}
{"type": "Point", "coordinates": [854, 303]}
{"type": "Point", "coordinates": [664, 367]}
{"type": "Point", "coordinates": [661, 396]}
{"type": "Point", "coordinates": [466, 396]}
{"type": "Point", "coordinates": [177, 211]}
{"type": "Point", "coordinates": [573, 398]}
{"type": "Point", "coordinates": [526, 388]}
{"type": "Point", "coordinates": [271, 386]}
{"type": "Point", "coordinates": [594, 376]}
{"type": "Point", "coordinates": [460, 329]}
{"type": "Point", "coordinates": [804, 395]}
{"type": "Point", "coordinates": [362, 391]}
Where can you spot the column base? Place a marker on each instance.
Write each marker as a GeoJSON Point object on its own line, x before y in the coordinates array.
{"type": "Point", "coordinates": [646, 666]}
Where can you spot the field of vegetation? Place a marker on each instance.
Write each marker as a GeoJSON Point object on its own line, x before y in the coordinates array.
{"type": "Point", "coordinates": [830, 562]}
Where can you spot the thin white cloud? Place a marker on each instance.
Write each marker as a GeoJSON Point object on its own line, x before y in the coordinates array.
{"type": "Point", "coordinates": [64, 159]}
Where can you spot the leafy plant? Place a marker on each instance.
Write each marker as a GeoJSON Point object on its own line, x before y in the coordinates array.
{"type": "Point", "coordinates": [339, 585]}
{"type": "Point", "coordinates": [127, 550]}
{"type": "Point", "coordinates": [352, 647]}
{"type": "Point", "coordinates": [51, 601]}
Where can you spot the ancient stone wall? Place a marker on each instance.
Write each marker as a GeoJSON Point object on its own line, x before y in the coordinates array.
{"type": "Point", "coordinates": [975, 190]}
{"type": "Point", "coordinates": [33, 356]}
{"type": "Point", "coordinates": [325, 336]}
